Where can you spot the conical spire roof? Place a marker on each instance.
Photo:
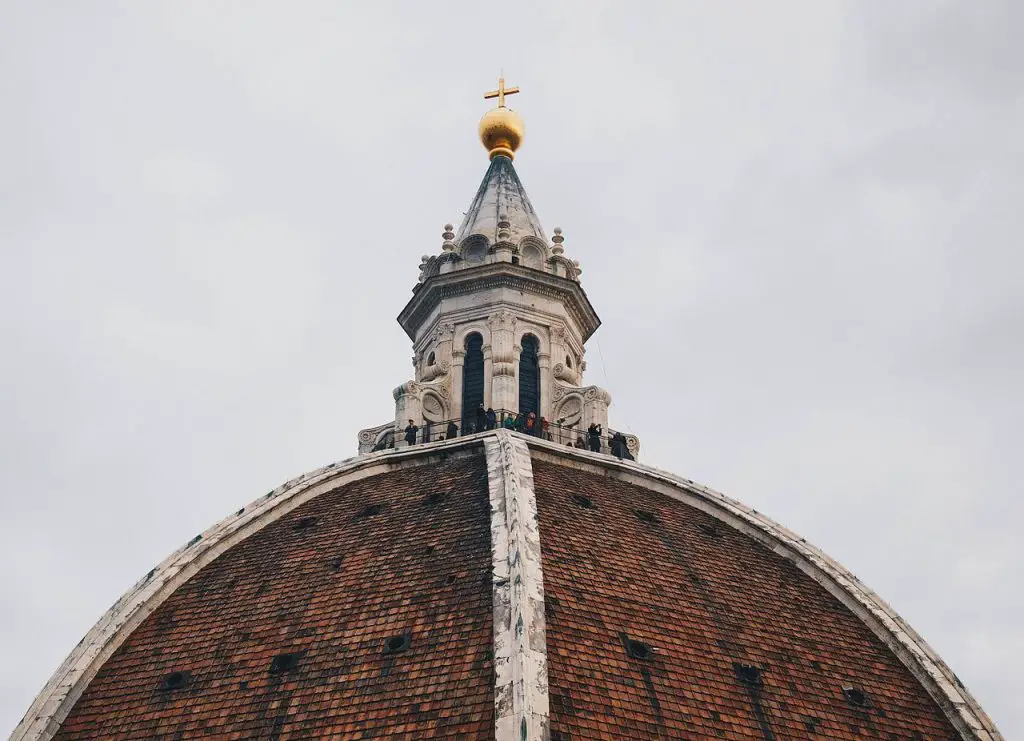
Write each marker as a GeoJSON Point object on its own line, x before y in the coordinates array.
{"type": "Point", "coordinates": [501, 194]}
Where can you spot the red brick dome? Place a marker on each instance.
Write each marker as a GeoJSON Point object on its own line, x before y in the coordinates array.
{"type": "Point", "coordinates": [496, 586]}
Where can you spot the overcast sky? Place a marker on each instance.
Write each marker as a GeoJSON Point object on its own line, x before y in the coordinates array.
{"type": "Point", "coordinates": [800, 223]}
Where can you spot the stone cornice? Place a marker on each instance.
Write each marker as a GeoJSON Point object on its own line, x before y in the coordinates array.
{"type": "Point", "coordinates": [498, 275]}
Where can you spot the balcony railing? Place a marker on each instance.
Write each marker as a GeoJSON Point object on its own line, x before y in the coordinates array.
{"type": "Point", "coordinates": [599, 441]}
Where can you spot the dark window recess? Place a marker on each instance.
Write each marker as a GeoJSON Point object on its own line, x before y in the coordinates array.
{"type": "Point", "coordinates": [241, 511]}
{"type": "Point", "coordinates": [637, 649]}
{"type": "Point", "coordinates": [472, 381]}
{"type": "Point", "coordinates": [370, 510]}
{"type": "Point", "coordinates": [529, 375]}
{"type": "Point", "coordinates": [709, 529]}
{"type": "Point", "coordinates": [175, 681]}
{"type": "Point", "coordinates": [304, 523]}
{"type": "Point", "coordinates": [283, 663]}
{"type": "Point", "coordinates": [747, 674]}
{"type": "Point", "coordinates": [194, 540]}
{"type": "Point", "coordinates": [582, 501]}
{"type": "Point", "coordinates": [435, 498]}
{"type": "Point", "coordinates": [397, 644]}
{"type": "Point", "coordinates": [644, 516]}
{"type": "Point", "coordinates": [856, 696]}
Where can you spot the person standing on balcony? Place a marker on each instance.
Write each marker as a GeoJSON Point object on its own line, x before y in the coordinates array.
{"type": "Point", "coordinates": [410, 433]}
{"type": "Point", "coordinates": [594, 435]}
{"type": "Point", "coordinates": [492, 419]}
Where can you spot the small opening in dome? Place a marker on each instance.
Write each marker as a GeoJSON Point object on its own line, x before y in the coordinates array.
{"type": "Point", "coordinates": [582, 501]}
{"type": "Point", "coordinates": [637, 649]}
{"type": "Point", "coordinates": [175, 681]}
{"type": "Point", "coordinates": [449, 580]}
{"type": "Point", "coordinates": [283, 663]}
{"type": "Point", "coordinates": [856, 696]}
{"type": "Point", "coordinates": [747, 674]}
{"type": "Point", "coordinates": [336, 564]}
{"type": "Point", "coordinates": [430, 359]}
{"type": "Point", "coordinates": [370, 510]}
{"type": "Point", "coordinates": [515, 259]}
{"type": "Point", "coordinates": [434, 498]}
{"type": "Point", "coordinates": [644, 516]}
{"type": "Point", "coordinates": [304, 523]}
{"type": "Point", "coordinates": [397, 644]}
{"type": "Point", "coordinates": [811, 724]}
{"type": "Point", "coordinates": [709, 529]}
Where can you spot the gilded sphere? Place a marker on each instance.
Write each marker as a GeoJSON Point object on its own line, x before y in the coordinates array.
{"type": "Point", "coordinates": [501, 131]}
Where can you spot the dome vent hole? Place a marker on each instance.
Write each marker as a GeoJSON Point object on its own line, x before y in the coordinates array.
{"type": "Point", "coordinates": [304, 523]}
{"type": "Point", "coordinates": [336, 563]}
{"type": "Point", "coordinates": [370, 510]}
{"type": "Point", "coordinates": [435, 498]}
{"type": "Point", "coordinates": [175, 681]}
{"type": "Point", "coordinates": [856, 696]}
{"type": "Point", "coordinates": [284, 663]}
{"type": "Point", "coordinates": [748, 674]}
{"type": "Point", "coordinates": [637, 649]}
{"type": "Point", "coordinates": [709, 529]}
{"type": "Point", "coordinates": [644, 516]}
{"type": "Point", "coordinates": [397, 644]}
{"type": "Point", "coordinates": [582, 501]}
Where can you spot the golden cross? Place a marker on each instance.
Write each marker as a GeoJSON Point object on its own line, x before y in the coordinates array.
{"type": "Point", "coordinates": [501, 92]}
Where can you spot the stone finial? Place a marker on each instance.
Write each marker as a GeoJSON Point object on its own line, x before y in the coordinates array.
{"type": "Point", "coordinates": [448, 236]}
{"type": "Point", "coordinates": [504, 227]}
{"type": "Point", "coordinates": [558, 249]}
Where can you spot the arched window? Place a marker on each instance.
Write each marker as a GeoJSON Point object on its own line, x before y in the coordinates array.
{"type": "Point", "coordinates": [529, 376]}
{"type": "Point", "coordinates": [472, 380]}
{"type": "Point", "coordinates": [430, 359]}
{"type": "Point", "coordinates": [568, 361]}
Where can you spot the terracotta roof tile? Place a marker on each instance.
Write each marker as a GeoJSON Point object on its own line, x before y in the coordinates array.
{"type": "Point", "coordinates": [710, 601]}
{"type": "Point", "coordinates": [322, 590]}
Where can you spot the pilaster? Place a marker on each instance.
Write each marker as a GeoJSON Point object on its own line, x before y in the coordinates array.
{"type": "Point", "coordinates": [520, 642]}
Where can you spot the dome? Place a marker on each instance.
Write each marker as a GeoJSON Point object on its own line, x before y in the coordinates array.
{"type": "Point", "coordinates": [500, 586]}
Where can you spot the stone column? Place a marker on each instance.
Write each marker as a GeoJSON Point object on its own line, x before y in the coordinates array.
{"type": "Point", "coordinates": [408, 405]}
{"type": "Point", "coordinates": [488, 371]}
{"type": "Point", "coordinates": [504, 389]}
{"type": "Point", "coordinates": [544, 365]}
{"type": "Point", "coordinates": [458, 360]}
{"type": "Point", "coordinates": [517, 355]}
